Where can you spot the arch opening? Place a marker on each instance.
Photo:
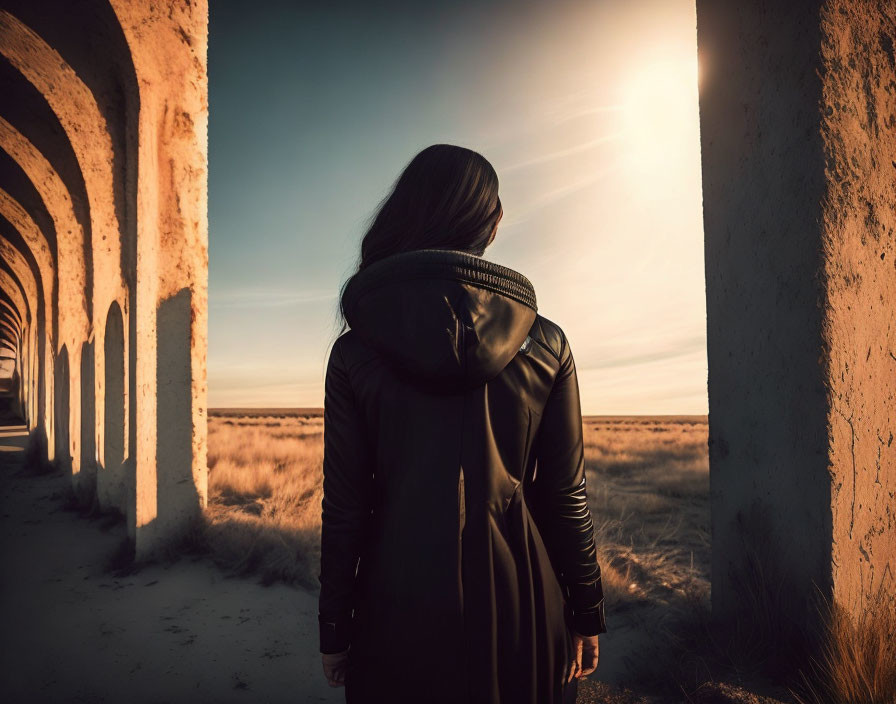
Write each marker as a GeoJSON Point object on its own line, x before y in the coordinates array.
{"type": "Point", "coordinates": [112, 485]}
{"type": "Point", "coordinates": [62, 435]}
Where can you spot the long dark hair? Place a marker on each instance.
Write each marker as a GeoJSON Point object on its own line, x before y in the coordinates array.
{"type": "Point", "coordinates": [446, 198]}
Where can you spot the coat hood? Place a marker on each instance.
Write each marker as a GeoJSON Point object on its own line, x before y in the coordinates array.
{"type": "Point", "coordinates": [444, 319]}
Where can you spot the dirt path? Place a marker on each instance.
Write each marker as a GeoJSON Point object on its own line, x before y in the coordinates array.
{"type": "Point", "coordinates": [180, 633]}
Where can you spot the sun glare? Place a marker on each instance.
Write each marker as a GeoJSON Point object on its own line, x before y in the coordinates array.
{"type": "Point", "coordinates": [660, 113]}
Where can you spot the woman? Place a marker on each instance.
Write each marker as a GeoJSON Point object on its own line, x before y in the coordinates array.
{"type": "Point", "coordinates": [457, 551]}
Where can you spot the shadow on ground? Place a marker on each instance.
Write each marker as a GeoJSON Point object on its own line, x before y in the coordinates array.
{"type": "Point", "coordinates": [75, 631]}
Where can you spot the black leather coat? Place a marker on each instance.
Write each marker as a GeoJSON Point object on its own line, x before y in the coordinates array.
{"type": "Point", "coordinates": [457, 544]}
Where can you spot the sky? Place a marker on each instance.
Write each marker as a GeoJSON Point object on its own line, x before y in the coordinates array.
{"type": "Point", "coordinates": [588, 112]}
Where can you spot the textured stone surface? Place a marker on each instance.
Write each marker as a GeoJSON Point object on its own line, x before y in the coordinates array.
{"type": "Point", "coordinates": [106, 127]}
{"type": "Point", "coordinates": [797, 135]}
{"type": "Point", "coordinates": [858, 220]}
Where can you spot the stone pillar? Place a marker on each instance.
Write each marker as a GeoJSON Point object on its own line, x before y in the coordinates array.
{"type": "Point", "coordinates": [798, 136]}
{"type": "Point", "coordinates": [169, 43]}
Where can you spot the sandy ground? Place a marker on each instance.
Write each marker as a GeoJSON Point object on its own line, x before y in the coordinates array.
{"type": "Point", "coordinates": [184, 632]}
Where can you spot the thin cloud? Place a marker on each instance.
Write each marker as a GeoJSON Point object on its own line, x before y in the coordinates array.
{"type": "Point", "coordinates": [671, 350]}
{"type": "Point", "coordinates": [560, 153]}
{"type": "Point", "coordinates": [587, 112]}
{"type": "Point", "coordinates": [547, 120]}
{"type": "Point", "coordinates": [550, 197]}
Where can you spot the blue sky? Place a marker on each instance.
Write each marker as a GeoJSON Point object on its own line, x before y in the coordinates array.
{"type": "Point", "coordinates": [588, 111]}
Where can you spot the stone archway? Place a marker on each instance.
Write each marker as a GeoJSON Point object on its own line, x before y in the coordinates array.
{"type": "Point", "coordinates": [103, 215]}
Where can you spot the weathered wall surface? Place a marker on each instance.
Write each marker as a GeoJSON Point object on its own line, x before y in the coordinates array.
{"type": "Point", "coordinates": [169, 44]}
{"type": "Point", "coordinates": [858, 220]}
{"type": "Point", "coordinates": [103, 212]}
{"type": "Point", "coordinates": [796, 116]}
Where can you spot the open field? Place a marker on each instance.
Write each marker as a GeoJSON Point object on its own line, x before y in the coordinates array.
{"type": "Point", "coordinates": [265, 491]}
{"type": "Point", "coordinates": [267, 412]}
{"type": "Point", "coordinates": [647, 479]}
{"type": "Point", "coordinates": [648, 487]}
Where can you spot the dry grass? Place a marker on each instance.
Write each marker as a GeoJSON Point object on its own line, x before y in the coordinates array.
{"type": "Point", "coordinates": [647, 481]}
{"type": "Point", "coordinates": [857, 660]}
{"type": "Point", "coordinates": [265, 490]}
{"type": "Point", "coordinates": [647, 484]}
{"type": "Point", "coordinates": [648, 487]}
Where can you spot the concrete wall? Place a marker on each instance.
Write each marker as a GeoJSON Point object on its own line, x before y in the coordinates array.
{"type": "Point", "coordinates": [102, 224]}
{"type": "Point", "coordinates": [798, 136]}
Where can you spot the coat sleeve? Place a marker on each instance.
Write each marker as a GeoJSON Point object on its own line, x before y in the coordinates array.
{"type": "Point", "coordinates": [346, 504]}
{"type": "Point", "coordinates": [560, 503]}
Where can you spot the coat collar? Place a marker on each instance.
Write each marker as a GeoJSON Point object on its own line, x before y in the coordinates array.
{"type": "Point", "coordinates": [447, 264]}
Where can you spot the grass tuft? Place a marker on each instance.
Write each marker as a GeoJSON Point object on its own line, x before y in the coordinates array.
{"type": "Point", "coordinates": [856, 662]}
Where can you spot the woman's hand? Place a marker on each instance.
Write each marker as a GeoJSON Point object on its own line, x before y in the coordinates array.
{"type": "Point", "coordinates": [334, 667]}
{"type": "Point", "coordinates": [586, 651]}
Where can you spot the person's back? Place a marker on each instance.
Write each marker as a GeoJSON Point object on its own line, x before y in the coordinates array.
{"type": "Point", "coordinates": [454, 499]}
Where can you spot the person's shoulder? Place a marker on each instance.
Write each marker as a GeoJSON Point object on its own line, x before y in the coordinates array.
{"type": "Point", "coordinates": [350, 349]}
{"type": "Point", "coordinates": [344, 339]}
{"type": "Point", "coordinates": [341, 345]}
{"type": "Point", "coordinates": [549, 335]}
